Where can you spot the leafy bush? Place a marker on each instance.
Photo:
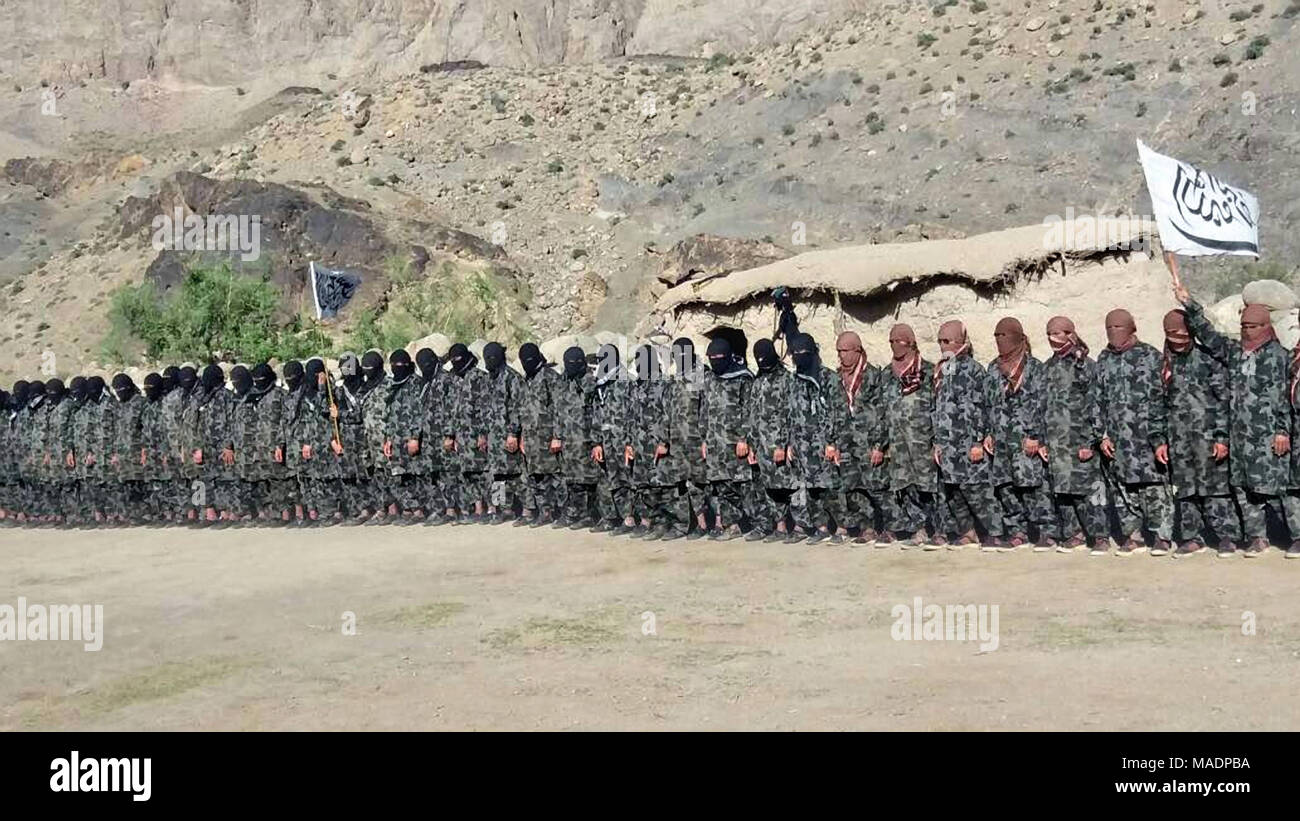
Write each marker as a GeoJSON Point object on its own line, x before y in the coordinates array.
{"type": "Point", "coordinates": [215, 313]}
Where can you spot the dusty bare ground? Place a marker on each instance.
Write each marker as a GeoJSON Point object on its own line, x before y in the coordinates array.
{"type": "Point", "coordinates": [503, 628]}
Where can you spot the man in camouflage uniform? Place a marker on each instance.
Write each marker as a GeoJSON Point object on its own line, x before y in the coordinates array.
{"type": "Point", "coordinates": [610, 397]}
{"type": "Point", "coordinates": [405, 418]}
{"type": "Point", "coordinates": [59, 490]}
{"type": "Point", "coordinates": [1259, 441]}
{"type": "Point", "coordinates": [724, 409]}
{"type": "Point", "coordinates": [213, 450]}
{"type": "Point", "coordinates": [7, 466]}
{"type": "Point", "coordinates": [818, 413]}
{"type": "Point", "coordinates": [1073, 430]}
{"type": "Point", "coordinates": [906, 438]}
{"type": "Point", "coordinates": [571, 400]}
{"type": "Point", "coordinates": [156, 470]}
{"type": "Point", "coordinates": [243, 429]}
{"type": "Point", "coordinates": [769, 407]}
{"type": "Point", "coordinates": [505, 462]}
{"type": "Point", "coordinates": [962, 423]}
{"type": "Point", "coordinates": [128, 452]}
{"type": "Point", "coordinates": [653, 485]}
{"type": "Point", "coordinates": [431, 405]}
{"type": "Point", "coordinates": [867, 502]}
{"type": "Point", "coordinates": [465, 440]}
{"type": "Point", "coordinates": [311, 445]}
{"type": "Point", "coordinates": [373, 411]}
{"type": "Point", "coordinates": [1199, 396]}
{"type": "Point", "coordinates": [29, 436]}
{"type": "Point", "coordinates": [89, 436]}
{"type": "Point", "coordinates": [1135, 442]}
{"type": "Point", "coordinates": [177, 440]}
{"type": "Point", "coordinates": [351, 458]}
{"type": "Point", "coordinates": [1018, 413]}
{"type": "Point", "coordinates": [540, 443]}
{"type": "Point", "coordinates": [685, 460]}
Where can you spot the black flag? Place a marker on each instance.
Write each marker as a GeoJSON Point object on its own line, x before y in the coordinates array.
{"type": "Point", "coordinates": [331, 289]}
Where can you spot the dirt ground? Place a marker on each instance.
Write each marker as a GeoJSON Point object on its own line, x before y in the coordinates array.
{"type": "Point", "coordinates": [498, 628]}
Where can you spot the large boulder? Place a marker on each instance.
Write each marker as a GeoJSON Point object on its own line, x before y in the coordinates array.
{"type": "Point", "coordinates": [705, 256]}
{"type": "Point", "coordinates": [1278, 296]}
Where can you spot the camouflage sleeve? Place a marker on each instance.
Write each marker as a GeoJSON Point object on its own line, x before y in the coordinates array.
{"type": "Point", "coordinates": [1157, 411]}
{"type": "Point", "coordinates": [1095, 412]}
{"type": "Point", "coordinates": [1221, 395]}
{"type": "Point", "coordinates": [1219, 346]}
{"type": "Point", "coordinates": [840, 432]}
{"type": "Point", "coordinates": [513, 398]}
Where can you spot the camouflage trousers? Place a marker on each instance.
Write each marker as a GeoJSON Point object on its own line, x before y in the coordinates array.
{"type": "Point", "coordinates": [653, 503]}
{"type": "Point", "coordinates": [969, 507]}
{"type": "Point", "coordinates": [544, 493]}
{"type": "Point", "coordinates": [1291, 505]}
{"type": "Point", "coordinates": [1254, 508]}
{"type": "Point", "coordinates": [813, 507]}
{"type": "Point", "coordinates": [731, 501]}
{"type": "Point", "coordinates": [771, 505]}
{"type": "Point", "coordinates": [507, 492]}
{"type": "Point", "coordinates": [473, 486]}
{"type": "Point", "coordinates": [578, 500]}
{"type": "Point", "coordinates": [914, 510]}
{"type": "Point", "coordinates": [868, 509]}
{"type": "Point", "coordinates": [440, 491]}
{"type": "Point", "coordinates": [409, 491]}
{"type": "Point", "coordinates": [1149, 506]}
{"type": "Point", "coordinates": [1025, 509]}
{"type": "Point", "coordinates": [686, 500]}
{"type": "Point", "coordinates": [1195, 515]}
{"type": "Point", "coordinates": [1076, 513]}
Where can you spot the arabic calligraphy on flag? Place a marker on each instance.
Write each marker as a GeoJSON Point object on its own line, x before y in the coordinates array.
{"type": "Point", "coordinates": [331, 289]}
{"type": "Point", "coordinates": [1196, 213]}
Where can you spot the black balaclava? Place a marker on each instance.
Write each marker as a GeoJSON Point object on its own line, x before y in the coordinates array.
{"type": "Point", "coordinates": [530, 356]}
{"type": "Point", "coordinates": [263, 377]}
{"type": "Point", "coordinates": [55, 391]}
{"type": "Point", "coordinates": [18, 398]}
{"type": "Point", "coordinates": [399, 362]}
{"type": "Point", "coordinates": [606, 363]}
{"type": "Point", "coordinates": [803, 350]}
{"type": "Point", "coordinates": [428, 362]}
{"type": "Point", "coordinates": [153, 387]}
{"type": "Point", "coordinates": [765, 355]}
{"type": "Point", "coordinates": [461, 359]}
{"type": "Point", "coordinates": [494, 357]}
{"type": "Point", "coordinates": [4, 400]}
{"type": "Point", "coordinates": [372, 370]}
{"type": "Point", "coordinates": [310, 371]}
{"type": "Point", "coordinates": [241, 380]}
{"type": "Point", "coordinates": [94, 388]}
{"type": "Point", "coordinates": [170, 378]}
{"type": "Point", "coordinates": [77, 389]}
{"type": "Point", "coordinates": [124, 388]}
{"type": "Point", "coordinates": [646, 363]}
{"type": "Point", "coordinates": [36, 394]}
{"type": "Point", "coordinates": [350, 367]}
{"type": "Point", "coordinates": [186, 377]}
{"type": "Point", "coordinates": [293, 373]}
{"type": "Point", "coordinates": [575, 363]}
{"type": "Point", "coordinates": [213, 378]}
{"type": "Point", "coordinates": [721, 361]}
{"type": "Point", "coordinates": [683, 356]}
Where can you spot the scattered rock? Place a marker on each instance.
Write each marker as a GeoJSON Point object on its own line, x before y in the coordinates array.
{"type": "Point", "coordinates": [1034, 23]}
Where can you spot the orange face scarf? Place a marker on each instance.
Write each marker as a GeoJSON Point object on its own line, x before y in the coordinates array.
{"type": "Point", "coordinates": [1121, 330]}
{"type": "Point", "coordinates": [1073, 346]}
{"type": "Point", "coordinates": [953, 343]}
{"type": "Point", "coordinates": [1013, 350]}
{"type": "Point", "coordinates": [906, 361]}
{"type": "Point", "coordinates": [1256, 328]}
{"type": "Point", "coordinates": [1178, 339]}
{"type": "Point", "coordinates": [853, 362]}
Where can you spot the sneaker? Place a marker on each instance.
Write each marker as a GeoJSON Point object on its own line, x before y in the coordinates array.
{"type": "Point", "coordinates": [816, 537]}
{"type": "Point", "coordinates": [672, 534]}
{"type": "Point", "coordinates": [1100, 548]}
{"type": "Point", "coordinates": [1255, 548]}
{"type": "Point", "coordinates": [859, 541]}
{"type": "Point", "coordinates": [1045, 544]}
{"type": "Point", "coordinates": [836, 538]}
{"type": "Point", "coordinates": [602, 527]}
{"type": "Point", "coordinates": [1128, 547]}
{"type": "Point", "coordinates": [654, 534]}
{"type": "Point", "coordinates": [755, 535]}
{"type": "Point", "coordinates": [774, 537]}
{"type": "Point", "coordinates": [1226, 549]}
{"type": "Point", "coordinates": [885, 539]}
{"type": "Point", "coordinates": [1011, 545]}
{"type": "Point", "coordinates": [1161, 548]}
{"type": "Point", "coordinates": [1293, 552]}
{"type": "Point", "coordinates": [726, 535]}
{"type": "Point", "coordinates": [695, 535]}
{"type": "Point", "coordinates": [915, 540]}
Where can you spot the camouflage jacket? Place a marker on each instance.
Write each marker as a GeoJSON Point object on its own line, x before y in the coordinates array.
{"type": "Point", "coordinates": [502, 395]}
{"type": "Point", "coordinates": [1016, 417]}
{"type": "Point", "coordinates": [1072, 422]}
{"type": "Point", "coordinates": [611, 423]}
{"type": "Point", "coordinates": [27, 436]}
{"type": "Point", "coordinates": [1199, 397]}
{"type": "Point", "coordinates": [647, 428]}
{"type": "Point", "coordinates": [686, 427]}
{"type": "Point", "coordinates": [159, 465]}
{"type": "Point", "coordinates": [1133, 412]}
{"type": "Point", "coordinates": [769, 415]}
{"type": "Point", "coordinates": [1261, 408]}
{"type": "Point", "coordinates": [305, 420]}
{"type": "Point", "coordinates": [466, 418]}
{"type": "Point", "coordinates": [351, 463]}
{"type": "Point", "coordinates": [374, 412]}
{"type": "Point", "coordinates": [818, 412]}
{"type": "Point", "coordinates": [405, 417]}
{"type": "Point", "coordinates": [962, 419]}
{"type": "Point", "coordinates": [128, 439]}
{"type": "Point", "coordinates": [908, 431]}
{"type": "Point", "coordinates": [724, 409]}
{"type": "Point", "coordinates": [571, 398]}
{"type": "Point", "coordinates": [431, 405]}
{"type": "Point", "coordinates": [89, 437]}
{"type": "Point", "coordinates": [176, 440]}
{"type": "Point", "coordinates": [537, 420]}
{"type": "Point", "coordinates": [864, 432]}
{"type": "Point", "coordinates": [257, 430]}
{"type": "Point", "coordinates": [209, 420]}
{"type": "Point", "coordinates": [58, 440]}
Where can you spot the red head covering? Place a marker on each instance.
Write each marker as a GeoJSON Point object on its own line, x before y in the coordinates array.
{"type": "Point", "coordinates": [1256, 328]}
{"type": "Point", "coordinates": [1178, 339]}
{"type": "Point", "coordinates": [1073, 346]}
{"type": "Point", "coordinates": [906, 359]}
{"type": "Point", "coordinates": [1121, 330]}
{"type": "Point", "coordinates": [853, 363]}
{"type": "Point", "coordinates": [1013, 350]}
{"type": "Point", "coordinates": [953, 342]}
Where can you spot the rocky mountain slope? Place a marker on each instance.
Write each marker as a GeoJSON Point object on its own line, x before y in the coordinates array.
{"type": "Point", "coordinates": [878, 122]}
